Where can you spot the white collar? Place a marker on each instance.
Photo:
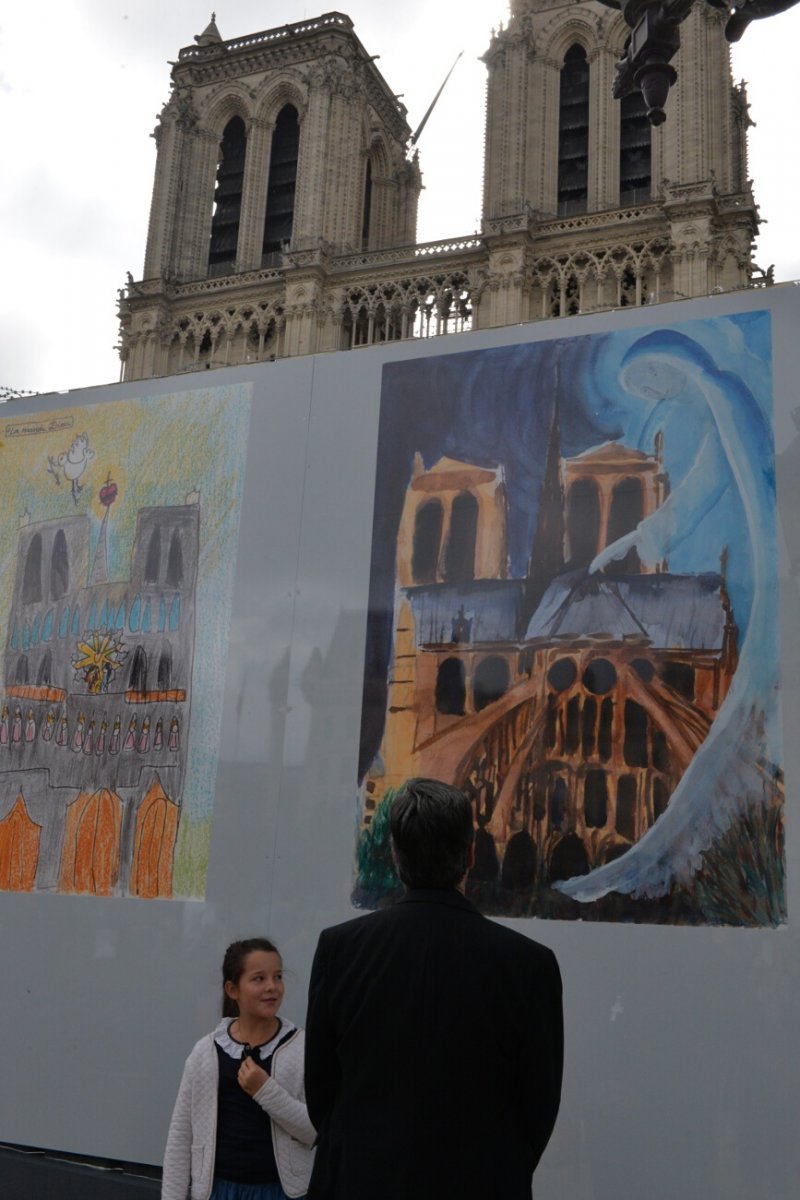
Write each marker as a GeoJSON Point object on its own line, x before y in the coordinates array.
{"type": "Point", "coordinates": [222, 1037]}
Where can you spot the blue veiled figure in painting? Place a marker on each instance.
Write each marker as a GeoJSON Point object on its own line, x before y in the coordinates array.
{"type": "Point", "coordinates": [735, 768]}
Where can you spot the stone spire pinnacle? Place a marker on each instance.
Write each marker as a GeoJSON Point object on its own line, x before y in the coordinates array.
{"type": "Point", "coordinates": [211, 35]}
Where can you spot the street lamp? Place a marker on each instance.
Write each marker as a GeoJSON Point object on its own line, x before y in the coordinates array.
{"type": "Point", "coordinates": [655, 39]}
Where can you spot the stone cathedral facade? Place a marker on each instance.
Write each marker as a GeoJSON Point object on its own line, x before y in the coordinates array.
{"type": "Point", "coordinates": [283, 219]}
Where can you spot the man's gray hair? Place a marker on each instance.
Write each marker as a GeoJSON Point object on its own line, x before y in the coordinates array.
{"type": "Point", "coordinates": [432, 832]}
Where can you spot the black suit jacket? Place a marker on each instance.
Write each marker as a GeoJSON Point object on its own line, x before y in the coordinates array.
{"type": "Point", "coordinates": [434, 1047]}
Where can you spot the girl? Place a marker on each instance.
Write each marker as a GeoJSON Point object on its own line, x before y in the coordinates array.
{"type": "Point", "coordinates": [240, 1128]}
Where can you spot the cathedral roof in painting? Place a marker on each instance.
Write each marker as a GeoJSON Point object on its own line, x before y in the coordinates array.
{"type": "Point", "coordinates": [451, 474]}
{"type": "Point", "coordinates": [679, 612]}
{"type": "Point", "coordinates": [483, 610]}
{"type": "Point", "coordinates": [612, 453]}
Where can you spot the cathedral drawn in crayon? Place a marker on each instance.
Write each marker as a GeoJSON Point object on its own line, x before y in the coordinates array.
{"type": "Point", "coordinates": [95, 703]}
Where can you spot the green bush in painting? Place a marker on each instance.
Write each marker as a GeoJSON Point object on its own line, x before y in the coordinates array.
{"type": "Point", "coordinates": [741, 880]}
{"type": "Point", "coordinates": [377, 880]}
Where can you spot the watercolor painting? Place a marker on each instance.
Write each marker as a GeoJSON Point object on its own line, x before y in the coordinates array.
{"type": "Point", "coordinates": [118, 550]}
{"type": "Point", "coordinates": [573, 617]}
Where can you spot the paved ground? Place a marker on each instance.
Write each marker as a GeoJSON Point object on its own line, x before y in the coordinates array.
{"type": "Point", "coordinates": [42, 1176]}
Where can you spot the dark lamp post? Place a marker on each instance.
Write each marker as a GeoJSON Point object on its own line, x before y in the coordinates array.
{"type": "Point", "coordinates": [655, 40]}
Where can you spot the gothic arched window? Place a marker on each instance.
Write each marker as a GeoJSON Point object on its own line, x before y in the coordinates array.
{"type": "Point", "coordinates": [152, 566]}
{"type": "Point", "coordinates": [459, 559]}
{"type": "Point", "coordinates": [138, 676]}
{"type": "Point", "coordinates": [450, 687]}
{"type": "Point", "coordinates": [605, 744]}
{"type": "Point", "coordinates": [583, 522]}
{"type": "Point", "coordinates": [569, 858]}
{"type": "Point", "coordinates": [32, 575]}
{"type": "Point", "coordinates": [367, 212]}
{"type": "Point", "coordinates": [59, 567]}
{"type": "Point", "coordinates": [629, 295]}
{"type": "Point", "coordinates": [45, 673]}
{"type": "Point", "coordinates": [559, 799]}
{"type": "Point", "coordinates": [165, 668]}
{"type": "Point", "coordinates": [627, 510]}
{"type": "Point", "coordinates": [634, 150]}
{"type": "Point", "coordinates": [425, 546]}
{"type": "Point", "coordinates": [635, 744]}
{"type": "Point", "coordinates": [519, 862]}
{"type": "Point", "coordinates": [626, 807]}
{"type": "Point", "coordinates": [595, 799]}
{"type": "Point", "coordinates": [282, 182]}
{"type": "Point", "coordinates": [589, 727]}
{"type": "Point", "coordinates": [573, 133]}
{"type": "Point", "coordinates": [227, 199]}
{"type": "Point", "coordinates": [572, 725]}
{"type": "Point", "coordinates": [175, 561]}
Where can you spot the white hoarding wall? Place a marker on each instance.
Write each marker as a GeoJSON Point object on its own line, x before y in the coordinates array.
{"type": "Point", "coordinates": [554, 564]}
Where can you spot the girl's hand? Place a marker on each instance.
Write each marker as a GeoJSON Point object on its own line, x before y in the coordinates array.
{"type": "Point", "coordinates": [251, 1077]}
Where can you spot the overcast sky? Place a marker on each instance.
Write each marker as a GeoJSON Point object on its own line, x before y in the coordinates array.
{"type": "Point", "coordinates": [81, 82]}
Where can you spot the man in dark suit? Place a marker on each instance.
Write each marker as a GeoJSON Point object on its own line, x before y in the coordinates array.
{"type": "Point", "coordinates": [434, 1039]}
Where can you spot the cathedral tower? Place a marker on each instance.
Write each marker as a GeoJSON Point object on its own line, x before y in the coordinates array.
{"type": "Point", "coordinates": [275, 151]}
{"type": "Point", "coordinates": [616, 212]}
{"type": "Point", "coordinates": [283, 219]}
